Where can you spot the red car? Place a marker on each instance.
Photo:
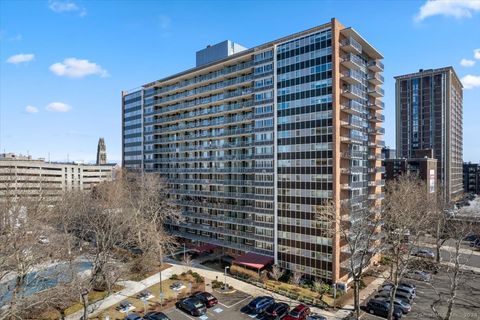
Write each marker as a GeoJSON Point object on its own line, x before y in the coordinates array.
{"type": "Point", "coordinates": [300, 312]}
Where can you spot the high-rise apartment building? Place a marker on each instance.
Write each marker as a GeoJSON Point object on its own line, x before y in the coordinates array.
{"type": "Point", "coordinates": [429, 115]}
{"type": "Point", "coordinates": [255, 141]}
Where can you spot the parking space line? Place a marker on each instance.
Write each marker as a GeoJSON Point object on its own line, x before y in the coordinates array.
{"type": "Point", "coordinates": [180, 312]}
{"type": "Point", "coordinates": [233, 305]}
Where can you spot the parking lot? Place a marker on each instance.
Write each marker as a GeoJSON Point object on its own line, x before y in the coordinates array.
{"type": "Point", "coordinates": [228, 307]}
{"type": "Point", "coordinates": [467, 302]}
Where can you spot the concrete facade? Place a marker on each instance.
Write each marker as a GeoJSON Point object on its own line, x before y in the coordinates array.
{"type": "Point", "coordinates": [22, 176]}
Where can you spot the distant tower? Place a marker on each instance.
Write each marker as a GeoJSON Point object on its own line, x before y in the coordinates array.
{"type": "Point", "coordinates": [101, 152]}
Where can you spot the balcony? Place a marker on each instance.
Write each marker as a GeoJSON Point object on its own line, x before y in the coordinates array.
{"type": "Point", "coordinates": [375, 65]}
{"type": "Point", "coordinates": [352, 92]}
{"type": "Point", "coordinates": [376, 156]}
{"type": "Point", "coordinates": [345, 186]}
{"type": "Point", "coordinates": [352, 154]}
{"type": "Point", "coordinates": [376, 105]}
{"type": "Point", "coordinates": [352, 61]}
{"type": "Point", "coordinates": [375, 78]}
{"type": "Point", "coordinates": [376, 196]}
{"type": "Point", "coordinates": [353, 77]}
{"type": "Point", "coordinates": [351, 123]}
{"type": "Point", "coordinates": [376, 92]}
{"type": "Point", "coordinates": [353, 107]}
{"type": "Point", "coordinates": [350, 45]}
{"type": "Point", "coordinates": [376, 131]}
{"type": "Point", "coordinates": [376, 117]}
{"type": "Point", "coordinates": [376, 183]}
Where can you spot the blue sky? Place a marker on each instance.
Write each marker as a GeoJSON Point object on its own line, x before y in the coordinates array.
{"type": "Point", "coordinates": [63, 64]}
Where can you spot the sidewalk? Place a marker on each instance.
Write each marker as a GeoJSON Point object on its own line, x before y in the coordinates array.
{"type": "Point", "coordinates": [131, 289]}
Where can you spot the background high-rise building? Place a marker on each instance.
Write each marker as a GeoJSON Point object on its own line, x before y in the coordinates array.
{"type": "Point", "coordinates": [471, 177]}
{"type": "Point", "coordinates": [101, 152]}
{"type": "Point", "coordinates": [429, 115]}
{"type": "Point", "coordinates": [254, 142]}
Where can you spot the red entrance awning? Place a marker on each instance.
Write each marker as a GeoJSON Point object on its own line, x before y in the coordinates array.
{"type": "Point", "coordinates": [253, 260]}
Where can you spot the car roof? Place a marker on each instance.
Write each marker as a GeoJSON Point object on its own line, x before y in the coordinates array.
{"type": "Point", "coordinates": [300, 307]}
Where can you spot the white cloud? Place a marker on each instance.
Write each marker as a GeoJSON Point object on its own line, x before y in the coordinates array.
{"type": "Point", "coordinates": [31, 109]}
{"type": "Point", "coordinates": [165, 21]}
{"type": "Point", "coordinates": [66, 6]}
{"type": "Point", "coordinates": [20, 58]}
{"type": "Point", "coordinates": [58, 107]}
{"type": "Point", "coordinates": [467, 63]}
{"type": "Point", "coordinates": [471, 81]}
{"type": "Point", "coordinates": [476, 54]}
{"type": "Point", "coordinates": [77, 68]}
{"type": "Point", "coordinates": [450, 8]}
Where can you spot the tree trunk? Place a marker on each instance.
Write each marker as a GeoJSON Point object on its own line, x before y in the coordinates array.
{"type": "Point", "coordinates": [356, 296]}
{"type": "Point", "coordinates": [454, 285]}
{"type": "Point", "coordinates": [85, 305]}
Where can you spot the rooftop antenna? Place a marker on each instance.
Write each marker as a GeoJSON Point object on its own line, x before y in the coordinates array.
{"type": "Point", "coordinates": [49, 157]}
{"type": "Point", "coordinates": [68, 157]}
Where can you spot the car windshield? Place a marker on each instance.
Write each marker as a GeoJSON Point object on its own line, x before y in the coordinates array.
{"type": "Point", "coordinates": [198, 304]}
{"type": "Point", "coordinates": [295, 313]}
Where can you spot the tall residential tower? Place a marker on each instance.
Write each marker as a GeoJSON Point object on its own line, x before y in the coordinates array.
{"type": "Point", "coordinates": [255, 141]}
{"type": "Point", "coordinates": [429, 115]}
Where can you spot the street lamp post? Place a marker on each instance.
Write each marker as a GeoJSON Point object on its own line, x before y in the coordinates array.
{"type": "Point", "coordinates": [225, 283]}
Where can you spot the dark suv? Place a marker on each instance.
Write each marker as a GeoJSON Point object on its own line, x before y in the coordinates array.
{"type": "Point", "coordinates": [276, 311]}
{"type": "Point", "coordinates": [381, 308]}
{"type": "Point", "coordinates": [206, 298]}
{"type": "Point", "coordinates": [259, 304]}
{"type": "Point", "coordinates": [192, 306]}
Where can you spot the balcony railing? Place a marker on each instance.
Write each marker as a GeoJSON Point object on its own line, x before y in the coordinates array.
{"type": "Point", "coordinates": [376, 105]}
{"type": "Point", "coordinates": [353, 92]}
{"type": "Point", "coordinates": [352, 61]}
{"type": "Point", "coordinates": [376, 92]}
{"type": "Point", "coordinates": [205, 123]}
{"type": "Point", "coordinates": [375, 65]}
{"type": "Point", "coordinates": [354, 77]}
{"type": "Point", "coordinates": [376, 117]}
{"type": "Point", "coordinates": [353, 107]}
{"type": "Point", "coordinates": [350, 44]}
{"type": "Point", "coordinates": [375, 78]}
{"type": "Point", "coordinates": [221, 133]}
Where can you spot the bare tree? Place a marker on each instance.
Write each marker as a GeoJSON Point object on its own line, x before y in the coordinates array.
{"type": "Point", "coordinates": [454, 268]}
{"type": "Point", "coordinates": [296, 278]}
{"type": "Point", "coordinates": [117, 218]}
{"type": "Point", "coordinates": [407, 214]}
{"type": "Point", "coordinates": [187, 261]}
{"type": "Point", "coordinates": [276, 272]}
{"type": "Point", "coordinates": [359, 233]}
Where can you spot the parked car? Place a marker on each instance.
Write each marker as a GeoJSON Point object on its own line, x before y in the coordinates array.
{"type": "Point", "coordinates": [316, 317]}
{"type": "Point", "coordinates": [381, 308]}
{"type": "Point", "coordinates": [276, 311]}
{"type": "Point", "coordinates": [156, 316]}
{"type": "Point", "coordinates": [475, 243]}
{"type": "Point", "coordinates": [133, 316]}
{"type": "Point", "coordinates": [192, 306]}
{"type": "Point", "coordinates": [401, 304]}
{"type": "Point", "coordinates": [418, 275]}
{"type": "Point", "coordinates": [125, 306]}
{"type": "Point", "coordinates": [177, 286]}
{"type": "Point", "coordinates": [424, 253]}
{"type": "Point", "coordinates": [408, 284]}
{"type": "Point", "coordinates": [206, 298]}
{"type": "Point", "coordinates": [300, 312]}
{"type": "Point", "coordinates": [407, 297]}
{"type": "Point", "coordinates": [259, 304]}
{"type": "Point", "coordinates": [400, 288]}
